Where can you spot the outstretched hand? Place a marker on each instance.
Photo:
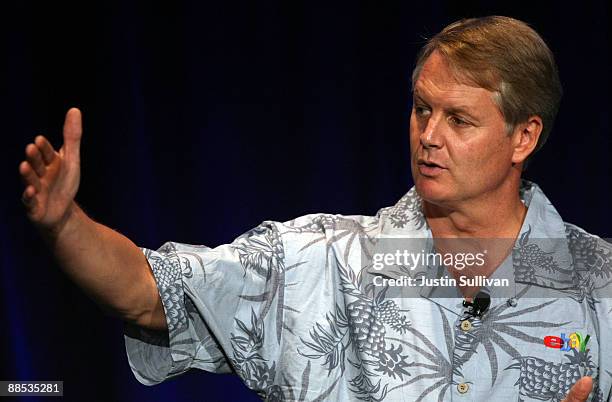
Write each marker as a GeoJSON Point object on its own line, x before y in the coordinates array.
{"type": "Point", "coordinates": [52, 178]}
{"type": "Point", "coordinates": [580, 391]}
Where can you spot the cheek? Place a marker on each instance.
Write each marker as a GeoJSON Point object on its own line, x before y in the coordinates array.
{"type": "Point", "coordinates": [414, 134]}
{"type": "Point", "coordinates": [478, 157]}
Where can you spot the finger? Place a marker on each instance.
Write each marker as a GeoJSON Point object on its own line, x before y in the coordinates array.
{"type": "Point", "coordinates": [28, 176]}
{"type": "Point", "coordinates": [72, 135]}
{"type": "Point", "coordinates": [28, 198]}
{"type": "Point", "coordinates": [580, 391]}
{"type": "Point", "coordinates": [46, 149]}
{"type": "Point", "coordinates": [34, 156]}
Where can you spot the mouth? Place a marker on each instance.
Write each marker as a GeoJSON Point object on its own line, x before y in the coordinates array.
{"type": "Point", "coordinates": [429, 163]}
{"type": "Point", "coordinates": [429, 168]}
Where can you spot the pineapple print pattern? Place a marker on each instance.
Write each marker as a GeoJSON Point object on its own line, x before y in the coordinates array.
{"type": "Point", "coordinates": [364, 348]}
{"type": "Point", "coordinates": [528, 258]}
{"type": "Point", "coordinates": [366, 321]}
{"type": "Point", "coordinates": [168, 273]}
{"type": "Point", "coordinates": [592, 265]}
{"type": "Point", "coordinates": [547, 381]}
{"type": "Point", "coordinates": [407, 209]}
{"type": "Point", "coordinates": [367, 330]}
{"type": "Point", "coordinates": [393, 363]}
{"type": "Point", "coordinates": [589, 253]}
{"type": "Point", "coordinates": [388, 312]}
{"type": "Point", "coordinates": [318, 223]}
{"type": "Point", "coordinates": [261, 250]}
{"type": "Point", "coordinates": [277, 247]}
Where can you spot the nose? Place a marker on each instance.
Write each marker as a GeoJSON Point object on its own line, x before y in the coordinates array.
{"type": "Point", "coordinates": [430, 136]}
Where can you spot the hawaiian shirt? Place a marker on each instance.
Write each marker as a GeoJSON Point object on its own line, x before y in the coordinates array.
{"type": "Point", "coordinates": [288, 308]}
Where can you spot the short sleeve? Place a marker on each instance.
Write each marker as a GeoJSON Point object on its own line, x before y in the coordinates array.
{"type": "Point", "coordinates": [202, 290]}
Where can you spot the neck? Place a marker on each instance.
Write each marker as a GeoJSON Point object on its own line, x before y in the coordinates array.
{"type": "Point", "coordinates": [498, 214]}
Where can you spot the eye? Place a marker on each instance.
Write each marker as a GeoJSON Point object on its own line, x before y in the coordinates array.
{"type": "Point", "coordinates": [421, 110]}
{"type": "Point", "coordinates": [458, 122]}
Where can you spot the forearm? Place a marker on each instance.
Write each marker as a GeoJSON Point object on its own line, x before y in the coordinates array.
{"type": "Point", "coordinates": [108, 267]}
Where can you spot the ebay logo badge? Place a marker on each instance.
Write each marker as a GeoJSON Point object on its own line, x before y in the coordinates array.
{"type": "Point", "coordinates": [575, 340]}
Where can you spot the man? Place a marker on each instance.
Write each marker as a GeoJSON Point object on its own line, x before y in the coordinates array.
{"type": "Point", "coordinates": [290, 307]}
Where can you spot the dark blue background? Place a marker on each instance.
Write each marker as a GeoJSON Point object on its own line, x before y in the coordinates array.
{"type": "Point", "coordinates": [203, 119]}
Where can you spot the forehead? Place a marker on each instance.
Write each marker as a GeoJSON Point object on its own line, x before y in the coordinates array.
{"type": "Point", "coordinates": [439, 83]}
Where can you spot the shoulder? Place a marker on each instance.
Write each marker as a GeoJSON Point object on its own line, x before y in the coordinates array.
{"type": "Point", "coordinates": [311, 226]}
{"type": "Point", "coordinates": [319, 240]}
{"type": "Point", "coordinates": [324, 231]}
{"type": "Point", "coordinates": [592, 258]}
{"type": "Point", "coordinates": [588, 250]}
{"type": "Point", "coordinates": [322, 222]}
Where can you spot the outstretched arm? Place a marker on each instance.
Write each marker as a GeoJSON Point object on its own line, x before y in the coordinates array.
{"type": "Point", "coordinates": [105, 264]}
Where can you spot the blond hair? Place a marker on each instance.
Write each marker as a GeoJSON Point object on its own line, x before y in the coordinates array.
{"type": "Point", "coordinates": [507, 57]}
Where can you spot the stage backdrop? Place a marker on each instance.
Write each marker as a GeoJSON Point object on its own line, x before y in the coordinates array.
{"type": "Point", "coordinates": [202, 119]}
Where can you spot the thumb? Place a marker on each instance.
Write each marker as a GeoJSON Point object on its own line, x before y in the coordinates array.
{"type": "Point", "coordinates": [580, 391]}
{"type": "Point", "coordinates": [73, 131]}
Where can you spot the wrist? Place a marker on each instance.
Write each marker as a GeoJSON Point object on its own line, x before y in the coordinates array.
{"type": "Point", "coordinates": [66, 224]}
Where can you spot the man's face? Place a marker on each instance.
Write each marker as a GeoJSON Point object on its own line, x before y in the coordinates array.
{"type": "Point", "coordinates": [459, 147]}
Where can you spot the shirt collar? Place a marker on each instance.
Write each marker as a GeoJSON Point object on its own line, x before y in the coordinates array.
{"type": "Point", "coordinates": [406, 216]}
{"type": "Point", "coordinates": [541, 254]}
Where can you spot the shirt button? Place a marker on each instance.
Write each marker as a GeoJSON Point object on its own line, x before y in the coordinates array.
{"type": "Point", "coordinates": [463, 388]}
{"type": "Point", "coordinates": [466, 325]}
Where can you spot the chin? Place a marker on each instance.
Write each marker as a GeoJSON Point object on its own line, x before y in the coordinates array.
{"type": "Point", "coordinates": [431, 191]}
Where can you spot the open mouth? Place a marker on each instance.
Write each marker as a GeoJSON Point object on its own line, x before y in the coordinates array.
{"type": "Point", "coordinates": [429, 164]}
{"type": "Point", "coordinates": [429, 168]}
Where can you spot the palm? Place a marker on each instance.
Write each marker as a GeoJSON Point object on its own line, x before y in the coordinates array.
{"type": "Point", "coordinates": [52, 178]}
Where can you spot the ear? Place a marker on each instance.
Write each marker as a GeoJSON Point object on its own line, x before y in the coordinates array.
{"type": "Point", "coordinates": [525, 138]}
